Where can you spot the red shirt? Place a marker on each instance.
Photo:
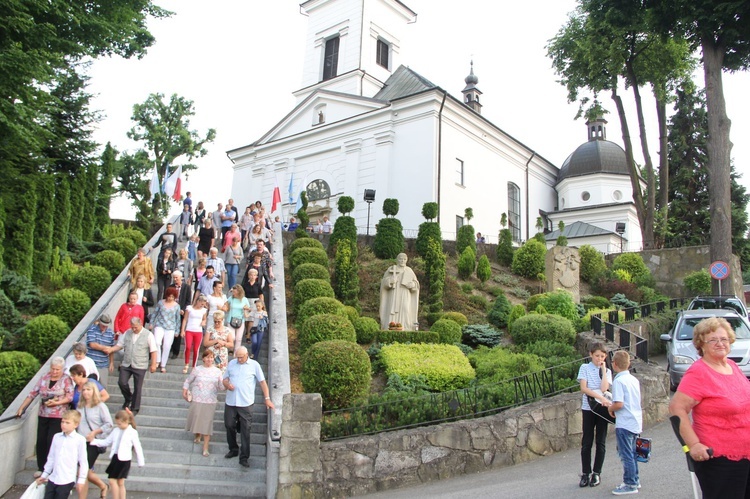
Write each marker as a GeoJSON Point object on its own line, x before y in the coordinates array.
{"type": "Point", "coordinates": [721, 418]}
{"type": "Point", "coordinates": [127, 312]}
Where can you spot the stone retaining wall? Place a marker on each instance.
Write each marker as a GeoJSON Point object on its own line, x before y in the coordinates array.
{"type": "Point", "coordinates": [367, 464]}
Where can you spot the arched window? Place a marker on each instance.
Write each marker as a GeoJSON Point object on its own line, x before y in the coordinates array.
{"type": "Point", "coordinates": [318, 189]}
{"type": "Point", "coordinates": [514, 211]}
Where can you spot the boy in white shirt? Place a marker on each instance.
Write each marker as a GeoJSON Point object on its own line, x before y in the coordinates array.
{"type": "Point", "coordinates": [626, 402]}
{"type": "Point", "coordinates": [67, 459]}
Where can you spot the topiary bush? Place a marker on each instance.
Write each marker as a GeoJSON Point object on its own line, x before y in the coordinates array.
{"type": "Point", "coordinates": [698, 283]}
{"type": "Point", "coordinates": [339, 370]}
{"type": "Point", "coordinates": [634, 265]}
{"type": "Point", "coordinates": [324, 327]}
{"type": "Point", "coordinates": [321, 305]}
{"type": "Point", "coordinates": [528, 260]}
{"type": "Point", "coordinates": [345, 274]}
{"type": "Point", "coordinates": [449, 331]}
{"type": "Point", "coordinates": [43, 334]}
{"type": "Point", "coordinates": [435, 272]}
{"type": "Point", "coordinates": [430, 210]}
{"type": "Point", "coordinates": [111, 260]}
{"type": "Point", "coordinates": [498, 315]}
{"type": "Point", "coordinates": [592, 263]}
{"type": "Point", "coordinates": [305, 242]}
{"type": "Point", "coordinates": [310, 270]}
{"type": "Point", "coordinates": [493, 365]}
{"type": "Point", "coordinates": [538, 327]}
{"type": "Point", "coordinates": [389, 238]}
{"type": "Point", "coordinates": [366, 329]}
{"type": "Point", "coordinates": [123, 245]}
{"type": "Point", "coordinates": [505, 248]}
{"type": "Point", "coordinates": [467, 263]}
{"type": "Point", "coordinates": [304, 218]}
{"type": "Point", "coordinates": [484, 271]}
{"type": "Point", "coordinates": [475, 335]}
{"type": "Point", "coordinates": [138, 238]}
{"type": "Point", "coordinates": [345, 205]}
{"type": "Point", "coordinates": [427, 231]}
{"type": "Point", "coordinates": [307, 289]}
{"type": "Point", "coordinates": [456, 317]}
{"type": "Point", "coordinates": [16, 370]}
{"type": "Point", "coordinates": [445, 367]}
{"type": "Point", "coordinates": [466, 238]}
{"type": "Point", "coordinates": [308, 255]}
{"type": "Point", "coordinates": [390, 207]}
{"type": "Point", "coordinates": [559, 302]}
{"type": "Point", "coordinates": [70, 305]}
{"type": "Point", "coordinates": [590, 302]}
{"type": "Point", "coordinates": [92, 280]}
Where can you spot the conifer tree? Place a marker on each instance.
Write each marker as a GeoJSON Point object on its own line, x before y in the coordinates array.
{"type": "Point", "coordinates": [44, 226]}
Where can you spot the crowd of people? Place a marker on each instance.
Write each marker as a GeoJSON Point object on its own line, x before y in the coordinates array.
{"type": "Point", "coordinates": [175, 305]}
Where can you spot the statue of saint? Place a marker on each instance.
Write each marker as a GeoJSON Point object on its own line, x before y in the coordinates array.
{"type": "Point", "coordinates": [399, 295]}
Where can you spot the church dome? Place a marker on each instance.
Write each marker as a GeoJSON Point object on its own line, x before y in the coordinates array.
{"type": "Point", "coordinates": [595, 156]}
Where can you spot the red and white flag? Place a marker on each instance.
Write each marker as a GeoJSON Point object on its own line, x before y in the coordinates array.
{"type": "Point", "coordinates": [276, 197]}
{"type": "Point", "coordinates": [173, 186]}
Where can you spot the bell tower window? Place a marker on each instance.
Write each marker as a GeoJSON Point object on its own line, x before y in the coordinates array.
{"type": "Point", "coordinates": [382, 56]}
{"type": "Point", "coordinates": [331, 58]}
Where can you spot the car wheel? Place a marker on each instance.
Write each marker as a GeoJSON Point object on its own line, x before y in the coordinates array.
{"type": "Point", "coordinates": [672, 386]}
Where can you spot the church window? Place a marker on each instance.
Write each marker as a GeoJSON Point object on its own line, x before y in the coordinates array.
{"type": "Point", "coordinates": [460, 171]}
{"type": "Point", "coordinates": [382, 56]}
{"type": "Point", "coordinates": [459, 223]}
{"type": "Point", "coordinates": [585, 195]}
{"type": "Point", "coordinates": [617, 195]}
{"type": "Point", "coordinates": [331, 58]}
{"type": "Point", "coordinates": [514, 211]}
{"type": "Point", "coordinates": [318, 189]}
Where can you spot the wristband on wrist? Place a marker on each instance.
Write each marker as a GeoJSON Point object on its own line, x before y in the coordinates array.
{"type": "Point", "coordinates": [268, 398]}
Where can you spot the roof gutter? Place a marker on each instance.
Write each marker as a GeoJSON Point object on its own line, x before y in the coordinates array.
{"type": "Point", "coordinates": [527, 193]}
{"type": "Point", "coordinates": [440, 152]}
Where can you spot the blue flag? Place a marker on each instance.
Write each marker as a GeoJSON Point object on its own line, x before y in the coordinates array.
{"type": "Point", "coordinates": [291, 189]}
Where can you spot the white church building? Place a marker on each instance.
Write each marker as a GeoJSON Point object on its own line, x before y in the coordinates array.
{"type": "Point", "coordinates": [365, 121]}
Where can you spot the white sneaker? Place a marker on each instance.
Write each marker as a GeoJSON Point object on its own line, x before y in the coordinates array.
{"type": "Point", "coordinates": [624, 489]}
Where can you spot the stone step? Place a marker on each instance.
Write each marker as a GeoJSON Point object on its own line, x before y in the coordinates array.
{"type": "Point", "coordinates": [257, 445]}
{"type": "Point", "coordinates": [173, 409]}
{"type": "Point", "coordinates": [195, 457]}
{"type": "Point", "coordinates": [257, 430]}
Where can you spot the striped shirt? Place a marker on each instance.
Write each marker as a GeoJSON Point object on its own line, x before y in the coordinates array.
{"type": "Point", "coordinates": [590, 373]}
{"type": "Point", "coordinates": [106, 338]}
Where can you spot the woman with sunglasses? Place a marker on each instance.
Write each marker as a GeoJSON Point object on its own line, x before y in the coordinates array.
{"type": "Point", "coordinates": [220, 340]}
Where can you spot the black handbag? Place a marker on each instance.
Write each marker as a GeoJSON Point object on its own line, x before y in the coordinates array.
{"type": "Point", "coordinates": [235, 322]}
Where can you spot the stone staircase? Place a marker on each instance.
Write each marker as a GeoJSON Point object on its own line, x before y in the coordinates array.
{"type": "Point", "coordinates": [174, 465]}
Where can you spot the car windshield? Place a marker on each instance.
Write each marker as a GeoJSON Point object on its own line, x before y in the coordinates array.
{"type": "Point", "coordinates": [686, 329]}
{"type": "Point", "coordinates": [725, 303]}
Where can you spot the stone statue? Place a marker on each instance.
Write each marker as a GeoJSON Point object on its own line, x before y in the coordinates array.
{"type": "Point", "coordinates": [399, 295]}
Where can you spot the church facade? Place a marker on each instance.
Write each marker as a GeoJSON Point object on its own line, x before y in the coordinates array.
{"type": "Point", "coordinates": [365, 121]}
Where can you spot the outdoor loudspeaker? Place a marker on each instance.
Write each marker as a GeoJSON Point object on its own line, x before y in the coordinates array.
{"type": "Point", "coordinates": [369, 195]}
{"type": "Point", "coordinates": [620, 227]}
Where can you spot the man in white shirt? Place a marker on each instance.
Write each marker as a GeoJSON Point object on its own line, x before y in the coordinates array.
{"type": "Point", "coordinates": [67, 462]}
{"type": "Point", "coordinates": [140, 354]}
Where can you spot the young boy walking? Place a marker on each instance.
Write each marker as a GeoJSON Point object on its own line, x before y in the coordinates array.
{"type": "Point", "coordinates": [67, 460]}
{"type": "Point", "coordinates": [626, 397]}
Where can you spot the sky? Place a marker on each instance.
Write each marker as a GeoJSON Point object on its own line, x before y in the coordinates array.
{"type": "Point", "coordinates": [240, 60]}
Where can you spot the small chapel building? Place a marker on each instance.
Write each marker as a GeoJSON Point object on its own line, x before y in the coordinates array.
{"type": "Point", "coordinates": [366, 121]}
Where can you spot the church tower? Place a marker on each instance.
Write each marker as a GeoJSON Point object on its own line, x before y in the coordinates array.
{"type": "Point", "coordinates": [352, 46]}
{"type": "Point", "coordinates": [471, 92]}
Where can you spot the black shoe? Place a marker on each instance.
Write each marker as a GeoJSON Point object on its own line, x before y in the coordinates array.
{"type": "Point", "coordinates": [594, 480]}
{"type": "Point", "coordinates": [125, 405]}
{"type": "Point", "coordinates": [244, 464]}
{"type": "Point", "coordinates": [231, 453]}
{"type": "Point", "coordinates": [584, 480]}
{"type": "Point", "coordinates": [134, 412]}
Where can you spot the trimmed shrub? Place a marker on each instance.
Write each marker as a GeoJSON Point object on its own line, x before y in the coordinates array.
{"type": "Point", "coordinates": [304, 218]}
{"type": "Point", "coordinates": [320, 305]}
{"type": "Point", "coordinates": [10, 318]}
{"type": "Point", "coordinates": [505, 248]}
{"type": "Point", "coordinates": [498, 316]}
{"type": "Point", "coordinates": [633, 263]}
{"type": "Point", "coordinates": [552, 353]}
{"type": "Point", "coordinates": [449, 331]}
{"type": "Point", "coordinates": [698, 283]}
{"type": "Point", "coordinates": [385, 336]}
{"type": "Point", "coordinates": [324, 327]}
{"type": "Point", "coordinates": [538, 327]}
{"type": "Point", "coordinates": [24, 294]}
{"type": "Point", "coordinates": [111, 260]}
{"type": "Point", "coordinates": [484, 271]}
{"type": "Point", "coordinates": [344, 228]}
{"type": "Point", "coordinates": [366, 329]}
{"type": "Point", "coordinates": [339, 370]}
{"type": "Point", "coordinates": [493, 365]}
{"type": "Point", "coordinates": [390, 207]}
{"type": "Point", "coordinates": [345, 276]}
{"type": "Point", "coordinates": [515, 312]}
{"type": "Point", "coordinates": [308, 255]}
{"type": "Point", "coordinates": [590, 302]}
{"type": "Point", "coordinates": [42, 335]}
{"type": "Point", "coordinates": [389, 238]}
{"type": "Point", "coordinates": [609, 288]}
{"type": "Point", "coordinates": [445, 367]}
{"type": "Point", "coordinates": [305, 242]}
{"type": "Point", "coordinates": [481, 334]}
{"type": "Point", "coordinates": [427, 231]}
{"type": "Point", "coordinates": [592, 263]}
{"type": "Point", "coordinates": [456, 317]}
{"type": "Point", "coordinates": [310, 270]}
{"type": "Point", "coordinates": [466, 238]}
{"type": "Point", "coordinates": [528, 260]}
{"type": "Point", "coordinates": [467, 262]}
{"type": "Point", "coordinates": [345, 205]}
{"type": "Point", "coordinates": [136, 236]}
{"type": "Point", "coordinates": [351, 313]}
{"type": "Point", "coordinates": [123, 245]}
{"type": "Point", "coordinates": [430, 210]}
{"type": "Point", "coordinates": [435, 273]}
{"type": "Point", "coordinates": [16, 370]}
{"type": "Point", "coordinates": [70, 305]}
{"type": "Point", "coordinates": [622, 275]}
{"type": "Point", "coordinates": [92, 280]}
{"type": "Point", "coordinates": [621, 301]}
{"type": "Point", "coordinates": [307, 289]}
{"type": "Point", "coordinates": [559, 302]}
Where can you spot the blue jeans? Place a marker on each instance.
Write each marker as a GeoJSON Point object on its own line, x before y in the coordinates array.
{"type": "Point", "coordinates": [256, 337]}
{"type": "Point", "coordinates": [626, 450]}
{"type": "Point", "coordinates": [232, 270]}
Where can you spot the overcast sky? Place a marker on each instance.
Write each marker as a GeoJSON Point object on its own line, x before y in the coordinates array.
{"type": "Point", "coordinates": [240, 61]}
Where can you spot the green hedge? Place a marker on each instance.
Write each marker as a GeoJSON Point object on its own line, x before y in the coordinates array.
{"type": "Point", "coordinates": [560, 303]}
{"type": "Point", "coordinates": [123, 245]}
{"type": "Point", "coordinates": [366, 328]}
{"type": "Point", "coordinates": [538, 327]}
{"type": "Point", "coordinates": [310, 271]}
{"type": "Point", "coordinates": [388, 336]}
{"type": "Point", "coordinates": [493, 365]}
{"type": "Point", "coordinates": [456, 317]}
{"type": "Point", "coordinates": [136, 236]}
{"type": "Point", "coordinates": [305, 242]}
{"type": "Point", "coordinates": [449, 331]}
{"type": "Point", "coordinates": [389, 238]}
{"type": "Point", "coordinates": [427, 231]}
{"type": "Point", "coordinates": [552, 353]}
{"type": "Point", "coordinates": [528, 260]}
{"type": "Point", "coordinates": [16, 370]}
{"type": "Point", "coordinates": [445, 367]}
{"type": "Point", "coordinates": [351, 312]}
{"type": "Point", "coordinates": [70, 305]}
{"type": "Point", "coordinates": [339, 370]}
{"type": "Point", "coordinates": [592, 263]}
{"type": "Point", "coordinates": [307, 289]}
{"type": "Point", "coordinates": [324, 327]}
{"type": "Point", "coordinates": [111, 260]}
{"type": "Point", "coordinates": [308, 255]}
{"type": "Point", "coordinates": [43, 334]}
{"type": "Point", "coordinates": [321, 305]}
{"type": "Point", "coordinates": [92, 280]}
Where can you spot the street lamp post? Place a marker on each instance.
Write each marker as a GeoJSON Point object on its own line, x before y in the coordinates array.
{"type": "Point", "coordinates": [620, 229]}
{"type": "Point", "coordinates": [369, 198]}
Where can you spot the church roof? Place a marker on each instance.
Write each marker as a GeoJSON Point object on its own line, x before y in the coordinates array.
{"type": "Point", "coordinates": [578, 229]}
{"type": "Point", "coordinates": [595, 156]}
{"type": "Point", "coordinates": [402, 83]}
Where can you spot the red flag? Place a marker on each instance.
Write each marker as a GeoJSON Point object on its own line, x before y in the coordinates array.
{"type": "Point", "coordinates": [276, 198]}
{"type": "Point", "coordinates": [173, 185]}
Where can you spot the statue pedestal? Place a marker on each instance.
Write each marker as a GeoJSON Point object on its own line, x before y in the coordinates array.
{"type": "Point", "coordinates": [562, 269]}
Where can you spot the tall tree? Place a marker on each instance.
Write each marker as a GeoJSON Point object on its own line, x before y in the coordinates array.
{"type": "Point", "coordinates": [77, 205]}
{"type": "Point", "coordinates": [19, 225]}
{"type": "Point", "coordinates": [721, 29]}
{"type": "Point", "coordinates": [62, 212]}
{"type": "Point", "coordinates": [108, 169]}
{"type": "Point", "coordinates": [43, 228]}
{"type": "Point", "coordinates": [168, 142]}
